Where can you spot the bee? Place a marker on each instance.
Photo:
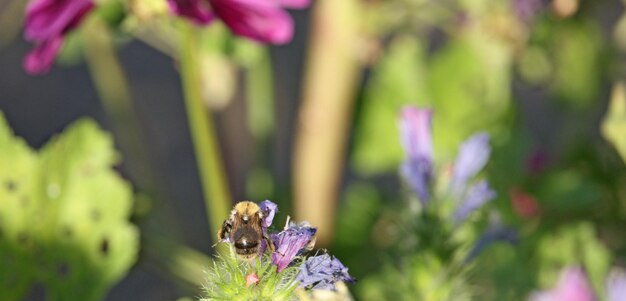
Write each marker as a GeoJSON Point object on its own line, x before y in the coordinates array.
{"type": "Point", "coordinates": [243, 229]}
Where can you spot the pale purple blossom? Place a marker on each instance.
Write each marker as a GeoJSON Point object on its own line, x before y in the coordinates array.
{"type": "Point", "coordinates": [290, 242]}
{"type": "Point", "coordinates": [616, 286]}
{"type": "Point", "coordinates": [268, 208]}
{"type": "Point", "coordinates": [47, 22]}
{"type": "Point", "coordinates": [415, 131]}
{"type": "Point", "coordinates": [494, 234]}
{"type": "Point", "coordinates": [259, 20]}
{"type": "Point", "coordinates": [476, 196]}
{"type": "Point", "coordinates": [573, 285]}
{"type": "Point", "coordinates": [526, 9]}
{"type": "Point", "coordinates": [322, 272]}
{"type": "Point", "coordinates": [473, 155]}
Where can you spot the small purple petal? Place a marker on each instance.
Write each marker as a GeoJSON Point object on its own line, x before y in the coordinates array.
{"type": "Point", "coordinates": [415, 131]}
{"type": "Point", "coordinates": [573, 286]}
{"type": "Point", "coordinates": [418, 174]}
{"type": "Point", "coordinates": [476, 197]}
{"type": "Point", "coordinates": [526, 9]}
{"type": "Point", "coordinates": [197, 11]}
{"type": "Point", "coordinates": [289, 243]}
{"type": "Point", "coordinates": [322, 272]}
{"type": "Point", "coordinates": [472, 157]}
{"type": "Point", "coordinates": [41, 58]}
{"type": "Point", "coordinates": [616, 286]}
{"type": "Point", "coordinates": [494, 234]}
{"type": "Point", "coordinates": [269, 210]}
{"type": "Point", "coordinates": [260, 20]}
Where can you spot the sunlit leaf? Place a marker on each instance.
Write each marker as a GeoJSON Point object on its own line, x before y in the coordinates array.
{"type": "Point", "coordinates": [614, 123]}
{"type": "Point", "coordinates": [64, 215]}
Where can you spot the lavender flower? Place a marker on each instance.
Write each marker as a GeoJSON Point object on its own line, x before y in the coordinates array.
{"type": "Point", "coordinates": [415, 128]}
{"type": "Point", "coordinates": [322, 272]}
{"type": "Point", "coordinates": [476, 197]}
{"type": "Point", "coordinates": [616, 286]}
{"type": "Point", "coordinates": [495, 233]}
{"type": "Point", "coordinates": [290, 242]}
{"type": "Point", "coordinates": [526, 9]}
{"type": "Point", "coordinates": [472, 157]}
{"type": "Point", "coordinates": [259, 20]}
{"type": "Point", "coordinates": [573, 286]}
{"type": "Point", "coordinates": [269, 210]}
{"type": "Point", "coordinates": [47, 22]}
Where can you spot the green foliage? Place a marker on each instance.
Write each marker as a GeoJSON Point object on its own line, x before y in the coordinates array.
{"type": "Point", "coordinates": [226, 280]}
{"type": "Point", "coordinates": [573, 245]}
{"type": "Point", "coordinates": [63, 215]}
{"type": "Point", "coordinates": [421, 277]}
{"type": "Point", "coordinates": [614, 123]}
{"type": "Point", "coordinates": [398, 80]}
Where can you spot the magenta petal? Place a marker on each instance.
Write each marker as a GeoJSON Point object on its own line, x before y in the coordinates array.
{"type": "Point", "coordinates": [197, 11]}
{"type": "Point", "coordinates": [263, 21]}
{"type": "Point", "coordinates": [295, 4]}
{"type": "Point", "coordinates": [48, 18]}
{"type": "Point", "coordinates": [41, 58]}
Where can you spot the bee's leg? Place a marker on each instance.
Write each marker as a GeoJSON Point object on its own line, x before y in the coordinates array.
{"type": "Point", "coordinates": [270, 244]}
{"type": "Point", "coordinates": [224, 232]}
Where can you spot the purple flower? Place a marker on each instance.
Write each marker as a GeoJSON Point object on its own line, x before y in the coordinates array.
{"type": "Point", "coordinates": [476, 197]}
{"type": "Point", "coordinates": [573, 286]}
{"type": "Point", "coordinates": [47, 22]}
{"type": "Point", "coordinates": [415, 131]}
{"type": "Point", "coordinates": [472, 157]}
{"type": "Point", "coordinates": [322, 272]}
{"type": "Point", "coordinates": [616, 286]}
{"type": "Point", "coordinates": [269, 210]}
{"type": "Point", "coordinates": [495, 233]}
{"type": "Point", "coordinates": [259, 20]}
{"type": "Point", "coordinates": [290, 242]}
{"type": "Point", "coordinates": [526, 9]}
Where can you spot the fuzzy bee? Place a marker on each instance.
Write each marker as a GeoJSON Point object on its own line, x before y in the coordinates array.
{"type": "Point", "coordinates": [244, 230]}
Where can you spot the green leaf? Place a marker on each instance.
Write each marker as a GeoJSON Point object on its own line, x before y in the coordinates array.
{"type": "Point", "coordinates": [573, 245]}
{"type": "Point", "coordinates": [64, 213]}
{"type": "Point", "coordinates": [614, 123]}
{"type": "Point", "coordinates": [398, 80]}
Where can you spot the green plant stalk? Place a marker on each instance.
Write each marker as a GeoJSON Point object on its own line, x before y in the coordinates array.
{"type": "Point", "coordinates": [115, 96]}
{"type": "Point", "coordinates": [208, 156]}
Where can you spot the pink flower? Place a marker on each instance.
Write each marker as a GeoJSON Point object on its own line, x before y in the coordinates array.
{"type": "Point", "coordinates": [259, 20]}
{"type": "Point", "coordinates": [573, 286]}
{"type": "Point", "coordinates": [252, 279]}
{"type": "Point", "coordinates": [47, 22]}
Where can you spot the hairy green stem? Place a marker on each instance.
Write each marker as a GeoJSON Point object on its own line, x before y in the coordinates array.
{"type": "Point", "coordinates": [208, 156]}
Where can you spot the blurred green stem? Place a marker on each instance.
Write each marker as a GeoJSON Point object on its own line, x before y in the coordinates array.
{"type": "Point", "coordinates": [115, 96]}
{"type": "Point", "coordinates": [209, 159]}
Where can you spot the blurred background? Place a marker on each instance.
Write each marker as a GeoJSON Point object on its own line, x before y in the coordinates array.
{"type": "Point", "coordinates": [313, 126]}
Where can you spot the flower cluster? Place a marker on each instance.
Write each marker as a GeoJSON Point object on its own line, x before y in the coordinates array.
{"type": "Point", "coordinates": [260, 20]}
{"type": "Point", "coordinates": [418, 168]}
{"type": "Point", "coordinates": [574, 286]}
{"type": "Point", "coordinates": [318, 272]}
{"type": "Point", "coordinates": [276, 275]}
{"type": "Point", "coordinates": [49, 21]}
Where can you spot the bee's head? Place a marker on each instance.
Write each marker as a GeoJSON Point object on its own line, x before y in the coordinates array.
{"type": "Point", "coordinates": [247, 212]}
